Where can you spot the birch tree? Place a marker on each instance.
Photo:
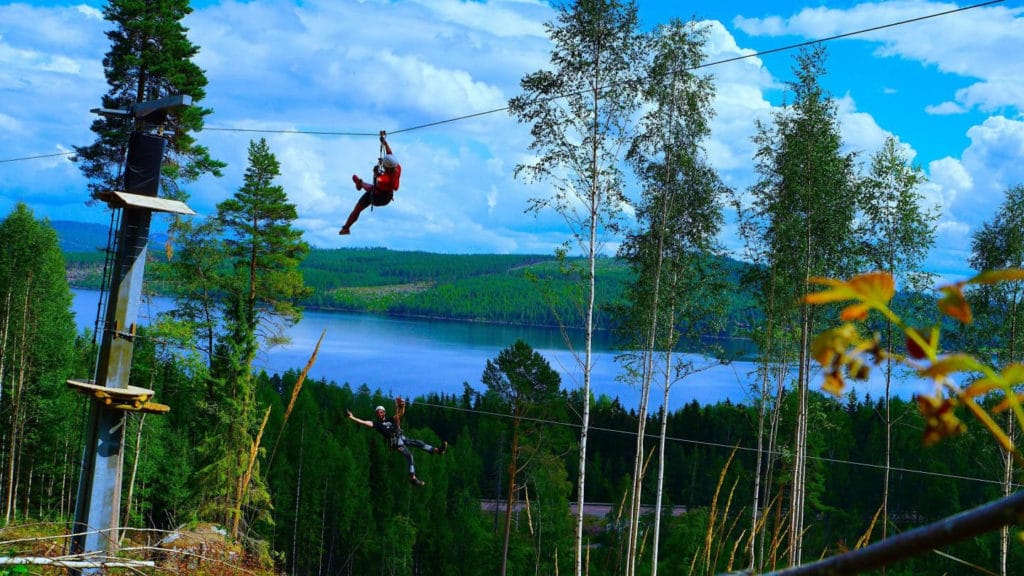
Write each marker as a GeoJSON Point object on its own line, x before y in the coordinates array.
{"type": "Point", "coordinates": [896, 231]}
{"type": "Point", "coordinates": [581, 113]}
{"type": "Point", "coordinates": [999, 309]}
{"type": "Point", "coordinates": [673, 253]}
{"type": "Point", "coordinates": [803, 207]}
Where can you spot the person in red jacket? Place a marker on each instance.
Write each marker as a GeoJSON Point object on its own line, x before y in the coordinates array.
{"type": "Point", "coordinates": [381, 191]}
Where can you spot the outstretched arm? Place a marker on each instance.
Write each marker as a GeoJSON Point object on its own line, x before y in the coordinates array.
{"type": "Point", "coordinates": [366, 423]}
{"type": "Point", "coordinates": [399, 410]}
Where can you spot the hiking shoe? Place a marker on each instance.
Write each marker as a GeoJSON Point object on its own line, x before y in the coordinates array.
{"type": "Point", "coordinates": [344, 231]}
{"type": "Point", "coordinates": [440, 450]}
{"type": "Point", "coordinates": [415, 481]}
{"type": "Point", "coordinates": [358, 181]}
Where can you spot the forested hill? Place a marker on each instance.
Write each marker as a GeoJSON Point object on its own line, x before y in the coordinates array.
{"type": "Point", "coordinates": [505, 288]}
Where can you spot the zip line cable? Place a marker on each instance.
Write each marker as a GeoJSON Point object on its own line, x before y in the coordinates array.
{"type": "Point", "coordinates": [36, 157]}
{"type": "Point", "coordinates": [714, 444]}
{"type": "Point", "coordinates": [505, 108]}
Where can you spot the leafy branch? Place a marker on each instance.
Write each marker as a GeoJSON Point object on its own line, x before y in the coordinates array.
{"type": "Point", "coordinates": [845, 352]}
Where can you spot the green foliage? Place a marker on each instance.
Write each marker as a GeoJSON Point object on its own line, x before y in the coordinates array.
{"type": "Point", "coordinates": [242, 285]}
{"type": "Point", "coordinates": [37, 335]}
{"type": "Point", "coordinates": [150, 57]}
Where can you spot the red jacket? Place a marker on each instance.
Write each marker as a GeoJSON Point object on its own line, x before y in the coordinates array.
{"type": "Point", "coordinates": [389, 181]}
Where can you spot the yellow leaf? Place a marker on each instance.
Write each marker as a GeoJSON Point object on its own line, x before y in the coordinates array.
{"type": "Point", "coordinates": [854, 312]}
{"type": "Point", "coordinates": [1013, 374]}
{"type": "Point", "coordinates": [951, 364]}
{"type": "Point", "coordinates": [995, 276]}
{"type": "Point", "coordinates": [870, 288]}
{"type": "Point", "coordinates": [840, 291]}
{"type": "Point", "coordinates": [980, 388]}
{"type": "Point", "coordinates": [1005, 404]}
{"type": "Point", "coordinates": [953, 303]}
{"type": "Point", "coordinates": [832, 342]}
{"type": "Point", "coordinates": [874, 286]}
{"type": "Point", "coordinates": [833, 384]}
{"type": "Point", "coordinates": [940, 419]}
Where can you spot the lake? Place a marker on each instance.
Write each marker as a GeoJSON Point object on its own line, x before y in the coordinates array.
{"type": "Point", "coordinates": [413, 357]}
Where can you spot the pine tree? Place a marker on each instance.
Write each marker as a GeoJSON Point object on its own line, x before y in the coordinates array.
{"type": "Point", "coordinates": [526, 385]}
{"type": "Point", "coordinates": [150, 57]}
{"type": "Point", "coordinates": [260, 284]}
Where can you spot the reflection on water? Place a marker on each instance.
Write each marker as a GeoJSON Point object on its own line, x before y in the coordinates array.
{"type": "Point", "coordinates": [414, 357]}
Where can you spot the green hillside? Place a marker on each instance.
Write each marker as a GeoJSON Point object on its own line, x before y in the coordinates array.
{"type": "Point", "coordinates": [505, 288]}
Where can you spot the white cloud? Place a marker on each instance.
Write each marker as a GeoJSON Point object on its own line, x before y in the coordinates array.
{"type": "Point", "coordinates": [993, 157]}
{"type": "Point", "coordinates": [952, 178]}
{"type": "Point", "coordinates": [979, 43]}
{"type": "Point", "coordinates": [860, 131]}
{"type": "Point", "coordinates": [350, 68]}
{"type": "Point", "coordinates": [945, 109]}
{"type": "Point", "coordinates": [514, 19]}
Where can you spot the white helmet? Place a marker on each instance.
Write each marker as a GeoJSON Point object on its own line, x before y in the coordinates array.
{"type": "Point", "coordinates": [389, 161]}
{"type": "Point", "coordinates": [379, 409]}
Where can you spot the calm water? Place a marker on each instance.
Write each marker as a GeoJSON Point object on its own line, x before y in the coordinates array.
{"type": "Point", "coordinates": [415, 357]}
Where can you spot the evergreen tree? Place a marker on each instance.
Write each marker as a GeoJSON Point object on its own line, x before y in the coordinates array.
{"type": "Point", "coordinates": [581, 113]}
{"type": "Point", "coordinates": [37, 332]}
{"type": "Point", "coordinates": [526, 385]}
{"type": "Point", "coordinates": [150, 57]}
{"type": "Point", "coordinates": [260, 284]}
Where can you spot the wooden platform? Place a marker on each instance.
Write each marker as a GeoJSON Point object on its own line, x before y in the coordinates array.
{"type": "Point", "coordinates": [119, 199]}
{"type": "Point", "coordinates": [130, 398]}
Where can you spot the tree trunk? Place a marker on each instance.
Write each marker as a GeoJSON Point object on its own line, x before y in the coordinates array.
{"type": "Point", "coordinates": [17, 389]}
{"type": "Point", "coordinates": [512, 465]}
{"type": "Point", "coordinates": [661, 464]}
{"type": "Point", "coordinates": [298, 497]}
{"type": "Point", "coordinates": [800, 441]}
{"type": "Point", "coordinates": [135, 470]}
{"type": "Point", "coordinates": [755, 516]}
{"type": "Point", "coordinates": [595, 202]}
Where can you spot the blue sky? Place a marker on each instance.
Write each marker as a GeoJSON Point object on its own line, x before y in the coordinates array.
{"type": "Point", "coordinates": [949, 88]}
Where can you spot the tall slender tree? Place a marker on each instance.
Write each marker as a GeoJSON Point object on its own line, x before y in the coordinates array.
{"type": "Point", "coordinates": [673, 252]}
{"type": "Point", "coordinates": [581, 113]}
{"type": "Point", "coordinates": [804, 205]}
{"type": "Point", "coordinates": [260, 284]}
{"type": "Point", "coordinates": [999, 309]}
{"type": "Point", "coordinates": [150, 57]}
{"type": "Point", "coordinates": [896, 231]}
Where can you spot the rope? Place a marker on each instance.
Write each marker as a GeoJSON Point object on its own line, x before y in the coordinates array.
{"type": "Point", "coordinates": [718, 445]}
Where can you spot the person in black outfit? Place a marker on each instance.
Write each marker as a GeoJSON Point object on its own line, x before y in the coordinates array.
{"type": "Point", "coordinates": [391, 430]}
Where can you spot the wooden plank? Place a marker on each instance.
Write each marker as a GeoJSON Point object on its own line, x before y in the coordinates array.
{"type": "Point", "coordinates": [68, 563]}
{"type": "Point", "coordinates": [156, 204]}
{"type": "Point", "coordinates": [154, 408]}
{"type": "Point", "coordinates": [130, 394]}
{"type": "Point", "coordinates": [130, 398]}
